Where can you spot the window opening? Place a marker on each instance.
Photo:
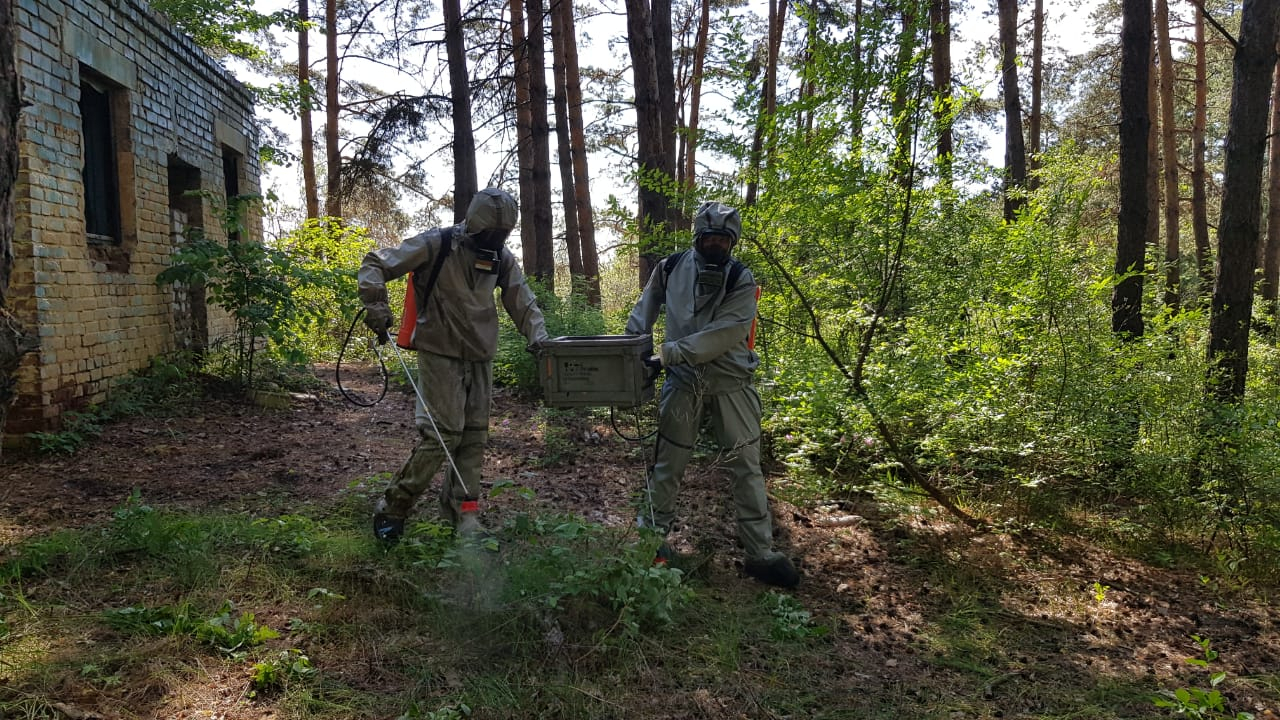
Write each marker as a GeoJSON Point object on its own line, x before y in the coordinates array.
{"type": "Point", "coordinates": [231, 186]}
{"type": "Point", "coordinates": [100, 174]}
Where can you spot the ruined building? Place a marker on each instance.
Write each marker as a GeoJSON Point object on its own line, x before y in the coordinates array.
{"type": "Point", "coordinates": [123, 117]}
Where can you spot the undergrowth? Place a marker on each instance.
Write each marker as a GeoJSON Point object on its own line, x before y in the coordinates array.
{"type": "Point", "coordinates": [300, 614]}
{"type": "Point", "coordinates": [171, 385]}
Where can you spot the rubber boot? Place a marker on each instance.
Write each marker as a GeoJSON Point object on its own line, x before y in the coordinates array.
{"type": "Point", "coordinates": [773, 569]}
{"type": "Point", "coordinates": [386, 528]}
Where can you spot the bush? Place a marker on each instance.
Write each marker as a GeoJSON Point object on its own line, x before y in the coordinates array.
{"type": "Point", "coordinates": [330, 252]}
{"type": "Point", "coordinates": [564, 561]}
{"type": "Point", "coordinates": [273, 294]}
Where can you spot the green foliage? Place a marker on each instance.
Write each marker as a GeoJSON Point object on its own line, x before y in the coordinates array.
{"type": "Point", "coordinates": [448, 712]}
{"type": "Point", "coordinates": [514, 366]}
{"type": "Point", "coordinates": [790, 620]}
{"type": "Point", "coordinates": [263, 288]}
{"type": "Point", "coordinates": [563, 561]}
{"type": "Point", "coordinates": [291, 534]}
{"type": "Point", "coordinates": [169, 385]}
{"type": "Point", "coordinates": [275, 674]}
{"type": "Point", "coordinates": [986, 348]}
{"type": "Point", "coordinates": [557, 445]}
{"type": "Point", "coordinates": [224, 630]}
{"type": "Point", "coordinates": [78, 430]}
{"type": "Point", "coordinates": [216, 25]}
{"type": "Point", "coordinates": [1197, 703]}
{"type": "Point", "coordinates": [328, 252]}
{"type": "Point", "coordinates": [165, 620]}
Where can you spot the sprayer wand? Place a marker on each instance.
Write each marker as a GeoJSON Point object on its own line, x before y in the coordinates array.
{"type": "Point", "coordinates": [448, 456]}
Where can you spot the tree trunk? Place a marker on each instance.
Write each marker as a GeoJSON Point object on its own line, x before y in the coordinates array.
{"type": "Point", "coordinates": [776, 28]}
{"type": "Point", "coordinates": [578, 148]}
{"type": "Point", "coordinates": [858, 99]}
{"type": "Point", "coordinates": [1015, 151]}
{"type": "Point", "coordinates": [695, 96]}
{"type": "Point", "coordinates": [1135, 127]}
{"type": "Point", "coordinates": [464, 144]}
{"type": "Point", "coordinates": [653, 218]}
{"type": "Point", "coordinates": [808, 78]}
{"type": "Point", "coordinates": [1238, 230]}
{"type": "Point", "coordinates": [940, 42]}
{"type": "Point", "coordinates": [1199, 198]}
{"type": "Point", "coordinates": [540, 132]}
{"type": "Point", "coordinates": [333, 152]}
{"type": "Point", "coordinates": [760, 155]}
{"type": "Point", "coordinates": [1169, 155]}
{"type": "Point", "coordinates": [1037, 93]}
{"type": "Point", "coordinates": [900, 103]}
{"type": "Point", "coordinates": [1153, 162]}
{"type": "Point", "coordinates": [1271, 259]}
{"type": "Point", "coordinates": [14, 341]}
{"type": "Point", "coordinates": [757, 137]}
{"type": "Point", "coordinates": [524, 138]}
{"type": "Point", "coordinates": [664, 65]}
{"type": "Point", "coordinates": [310, 191]}
{"type": "Point", "coordinates": [568, 196]}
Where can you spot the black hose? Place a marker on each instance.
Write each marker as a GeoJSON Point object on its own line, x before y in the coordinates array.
{"type": "Point", "coordinates": [337, 371]}
{"type": "Point", "coordinates": [613, 421]}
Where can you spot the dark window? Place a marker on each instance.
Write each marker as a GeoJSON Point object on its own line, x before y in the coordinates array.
{"type": "Point", "coordinates": [231, 186]}
{"type": "Point", "coordinates": [101, 175]}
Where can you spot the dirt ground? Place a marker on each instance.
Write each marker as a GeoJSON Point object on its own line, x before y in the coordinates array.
{"type": "Point", "coordinates": [1073, 611]}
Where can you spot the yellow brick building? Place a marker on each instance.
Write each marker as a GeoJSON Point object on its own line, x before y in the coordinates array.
{"type": "Point", "coordinates": [123, 117]}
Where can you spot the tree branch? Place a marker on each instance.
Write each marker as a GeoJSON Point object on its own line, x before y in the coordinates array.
{"type": "Point", "coordinates": [1199, 4]}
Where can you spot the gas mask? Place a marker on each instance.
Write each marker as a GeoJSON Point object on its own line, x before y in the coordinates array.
{"type": "Point", "coordinates": [488, 248]}
{"type": "Point", "coordinates": [714, 247]}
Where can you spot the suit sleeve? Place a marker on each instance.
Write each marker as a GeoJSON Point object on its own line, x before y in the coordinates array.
{"type": "Point", "coordinates": [385, 264]}
{"type": "Point", "coordinates": [520, 302]}
{"type": "Point", "coordinates": [645, 313]}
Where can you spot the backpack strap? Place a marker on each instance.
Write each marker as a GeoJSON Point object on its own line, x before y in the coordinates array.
{"type": "Point", "coordinates": [735, 274]}
{"type": "Point", "coordinates": [446, 247]}
{"type": "Point", "coordinates": [409, 315]}
{"type": "Point", "coordinates": [669, 264]}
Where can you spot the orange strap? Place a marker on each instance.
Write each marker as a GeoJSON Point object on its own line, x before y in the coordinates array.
{"type": "Point", "coordinates": [408, 318]}
{"type": "Point", "coordinates": [751, 338]}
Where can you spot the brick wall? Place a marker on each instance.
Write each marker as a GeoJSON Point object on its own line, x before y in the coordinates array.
{"type": "Point", "coordinates": [177, 117]}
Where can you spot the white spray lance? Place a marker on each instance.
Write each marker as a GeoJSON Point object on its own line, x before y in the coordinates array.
{"type": "Point", "coordinates": [468, 506]}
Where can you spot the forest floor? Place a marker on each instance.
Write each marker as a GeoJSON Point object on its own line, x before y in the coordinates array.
{"type": "Point", "coordinates": [919, 616]}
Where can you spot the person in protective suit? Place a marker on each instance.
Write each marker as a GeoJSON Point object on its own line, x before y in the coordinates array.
{"type": "Point", "coordinates": [456, 338]}
{"type": "Point", "coordinates": [710, 303]}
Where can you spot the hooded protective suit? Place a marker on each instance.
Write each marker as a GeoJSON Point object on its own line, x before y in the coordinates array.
{"type": "Point", "coordinates": [460, 318]}
{"type": "Point", "coordinates": [456, 336]}
{"type": "Point", "coordinates": [709, 371]}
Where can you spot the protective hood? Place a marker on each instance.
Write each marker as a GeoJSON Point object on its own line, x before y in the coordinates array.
{"type": "Point", "coordinates": [715, 217]}
{"type": "Point", "coordinates": [491, 209]}
{"type": "Point", "coordinates": [716, 228]}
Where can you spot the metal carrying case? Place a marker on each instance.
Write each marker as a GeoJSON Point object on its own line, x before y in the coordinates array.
{"type": "Point", "coordinates": [596, 371]}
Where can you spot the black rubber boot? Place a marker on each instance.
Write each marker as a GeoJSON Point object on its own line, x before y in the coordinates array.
{"type": "Point", "coordinates": [777, 571]}
{"type": "Point", "coordinates": [387, 529]}
{"type": "Point", "coordinates": [664, 555]}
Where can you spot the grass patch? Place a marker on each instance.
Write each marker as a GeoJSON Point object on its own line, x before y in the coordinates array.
{"type": "Point", "coordinates": [300, 615]}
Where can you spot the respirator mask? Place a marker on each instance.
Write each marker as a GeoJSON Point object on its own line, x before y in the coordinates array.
{"type": "Point", "coordinates": [488, 248]}
{"type": "Point", "coordinates": [714, 247]}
